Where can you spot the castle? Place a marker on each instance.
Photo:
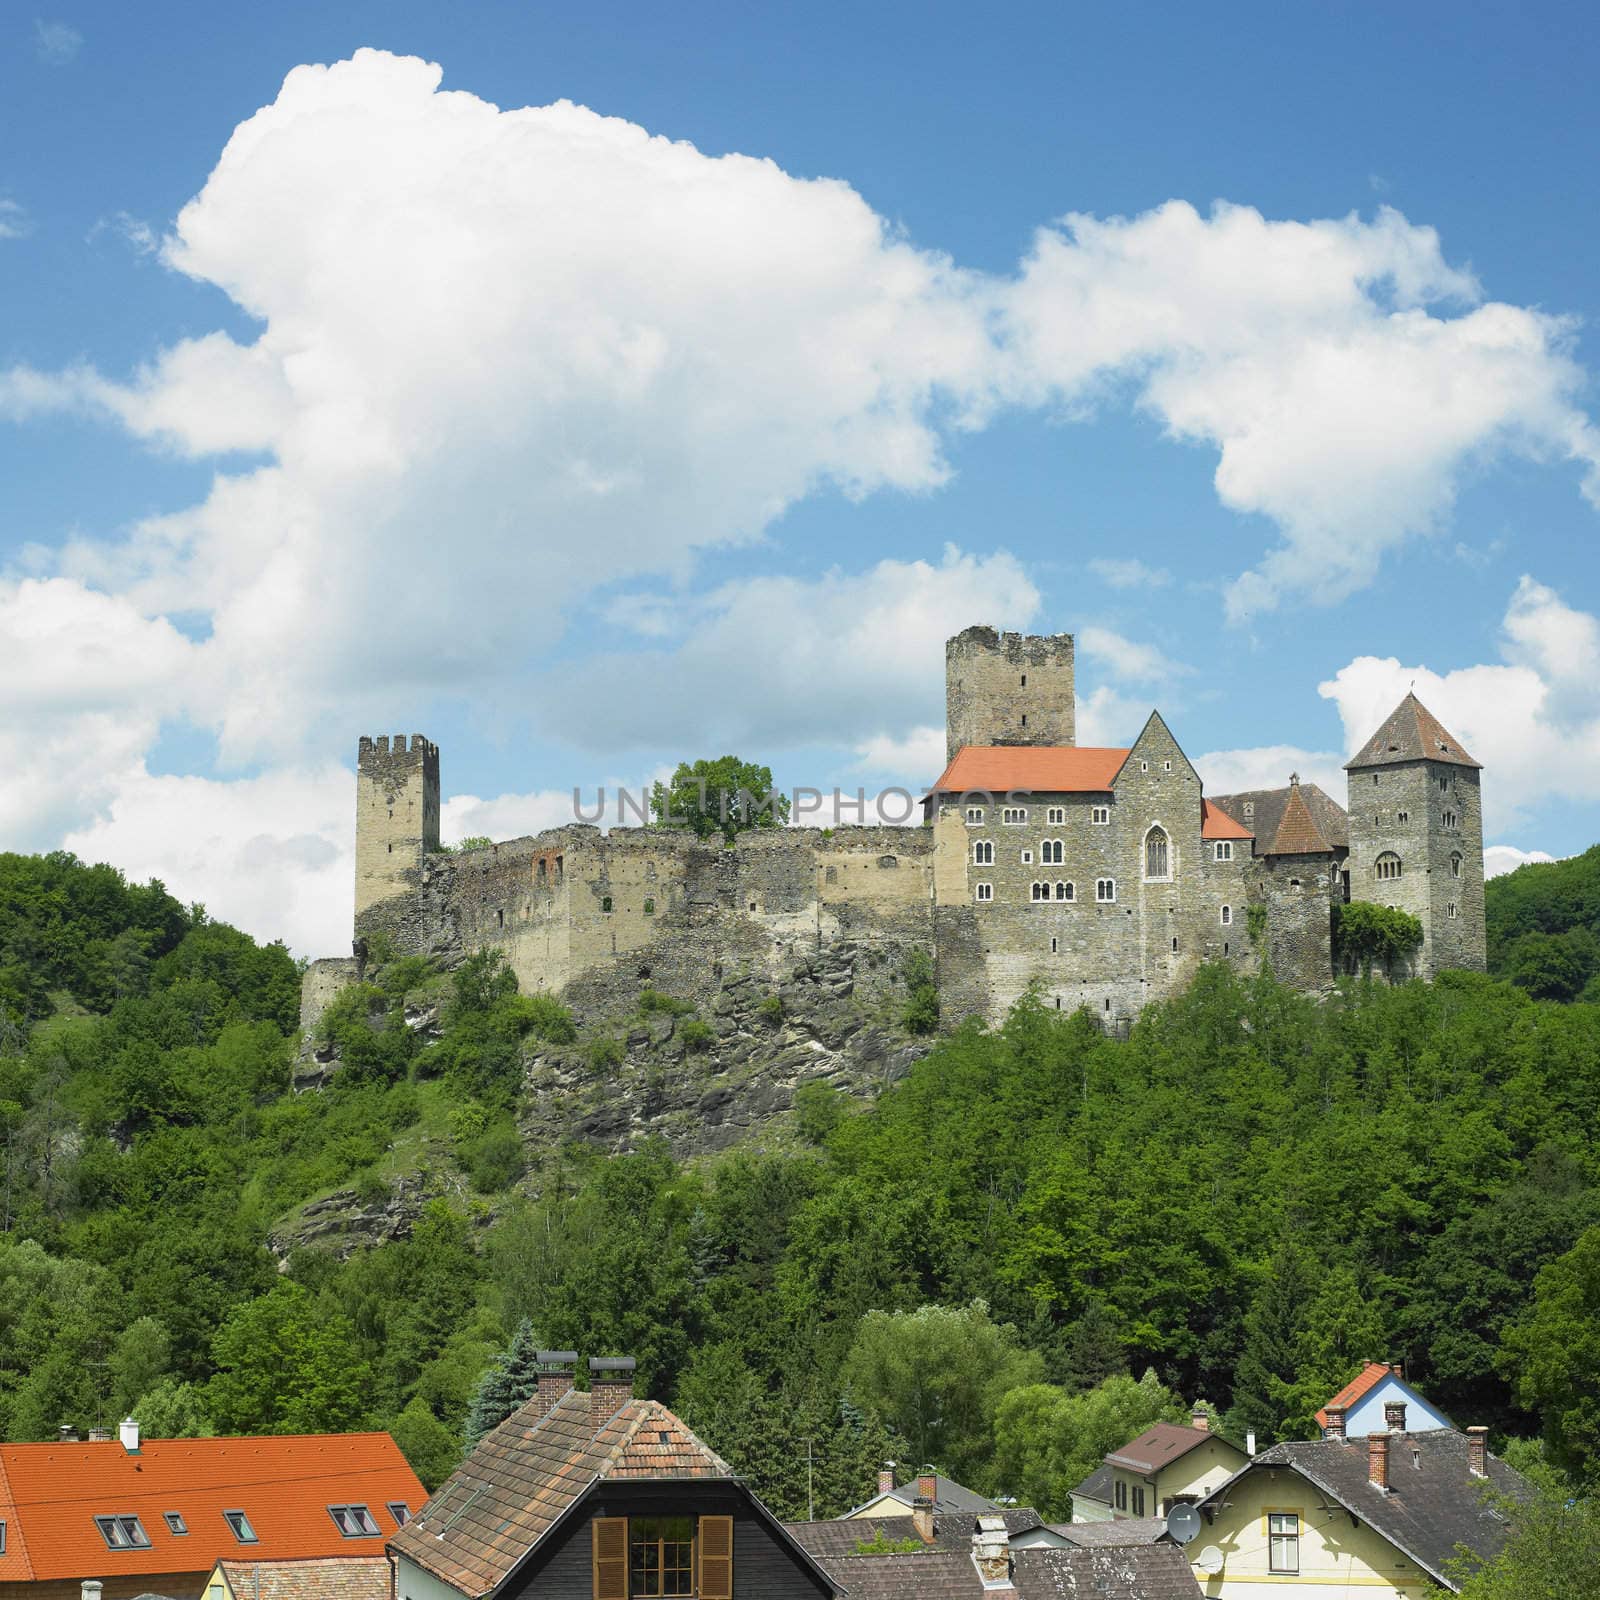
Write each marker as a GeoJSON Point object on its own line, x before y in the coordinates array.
{"type": "Point", "coordinates": [1104, 877]}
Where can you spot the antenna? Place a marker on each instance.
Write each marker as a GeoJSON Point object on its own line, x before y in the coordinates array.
{"type": "Point", "coordinates": [1209, 1561]}
{"type": "Point", "coordinates": [1184, 1523]}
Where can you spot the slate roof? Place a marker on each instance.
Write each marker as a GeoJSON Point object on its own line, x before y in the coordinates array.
{"type": "Point", "coordinates": [1033, 769]}
{"type": "Point", "coordinates": [1136, 1572]}
{"type": "Point", "coordinates": [1411, 733]}
{"type": "Point", "coordinates": [1159, 1446]}
{"type": "Point", "coordinates": [353, 1578]}
{"type": "Point", "coordinates": [951, 1530]}
{"type": "Point", "coordinates": [50, 1495]}
{"type": "Point", "coordinates": [1108, 1535]}
{"type": "Point", "coordinates": [1097, 1486]}
{"type": "Point", "coordinates": [1433, 1505]}
{"type": "Point", "coordinates": [948, 1496]}
{"type": "Point", "coordinates": [1364, 1382]}
{"type": "Point", "coordinates": [1268, 806]}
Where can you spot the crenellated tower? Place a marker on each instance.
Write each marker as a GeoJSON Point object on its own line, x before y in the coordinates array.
{"type": "Point", "coordinates": [1008, 688]}
{"type": "Point", "coordinates": [1416, 835]}
{"type": "Point", "coordinates": [397, 816]}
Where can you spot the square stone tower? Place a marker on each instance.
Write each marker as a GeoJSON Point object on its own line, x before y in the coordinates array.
{"type": "Point", "coordinates": [397, 816]}
{"type": "Point", "coordinates": [1416, 835]}
{"type": "Point", "coordinates": [1008, 688]}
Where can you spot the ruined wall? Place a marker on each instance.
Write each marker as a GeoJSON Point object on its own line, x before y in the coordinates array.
{"type": "Point", "coordinates": [1008, 689]}
{"type": "Point", "coordinates": [322, 984]}
{"type": "Point", "coordinates": [397, 818]}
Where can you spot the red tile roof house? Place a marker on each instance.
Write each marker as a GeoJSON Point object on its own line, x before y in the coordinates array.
{"type": "Point", "coordinates": [157, 1515]}
{"type": "Point", "coordinates": [598, 1496]}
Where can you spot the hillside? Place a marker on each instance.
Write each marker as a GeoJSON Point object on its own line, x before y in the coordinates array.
{"type": "Point", "coordinates": [1544, 926]}
{"type": "Point", "coordinates": [1036, 1237]}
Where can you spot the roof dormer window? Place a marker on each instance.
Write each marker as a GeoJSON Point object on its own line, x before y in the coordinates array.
{"type": "Point", "coordinates": [123, 1533]}
{"type": "Point", "coordinates": [240, 1523]}
{"type": "Point", "coordinates": [354, 1522]}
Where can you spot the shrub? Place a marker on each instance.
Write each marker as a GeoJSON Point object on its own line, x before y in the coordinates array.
{"type": "Point", "coordinates": [494, 1160]}
{"type": "Point", "coordinates": [1365, 933]}
{"type": "Point", "coordinates": [669, 1005]}
{"type": "Point", "coordinates": [602, 1051]}
{"type": "Point", "coordinates": [921, 1011]}
{"type": "Point", "coordinates": [771, 1009]}
{"type": "Point", "coordinates": [696, 1034]}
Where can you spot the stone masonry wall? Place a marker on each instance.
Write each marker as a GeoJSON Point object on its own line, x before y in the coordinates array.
{"type": "Point", "coordinates": [1008, 689]}
{"type": "Point", "coordinates": [397, 816]}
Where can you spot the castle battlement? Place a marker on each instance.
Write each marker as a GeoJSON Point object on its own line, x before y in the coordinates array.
{"type": "Point", "coordinates": [420, 746]}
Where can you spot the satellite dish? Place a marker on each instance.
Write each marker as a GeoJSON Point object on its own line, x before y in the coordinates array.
{"type": "Point", "coordinates": [1184, 1523]}
{"type": "Point", "coordinates": [1209, 1561]}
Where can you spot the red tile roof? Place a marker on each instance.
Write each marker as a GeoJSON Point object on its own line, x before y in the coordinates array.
{"type": "Point", "coordinates": [50, 1495]}
{"type": "Point", "coordinates": [1217, 824]}
{"type": "Point", "coordinates": [1030, 769]}
{"type": "Point", "coordinates": [1363, 1383]}
{"type": "Point", "coordinates": [1298, 833]}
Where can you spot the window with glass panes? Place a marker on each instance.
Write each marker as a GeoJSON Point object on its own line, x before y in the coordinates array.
{"type": "Point", "coordinates": [1283, 1541]}
{"type": "Point", "coordinates": [660, 1556]}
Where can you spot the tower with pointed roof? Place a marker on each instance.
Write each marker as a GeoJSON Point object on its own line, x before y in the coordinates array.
{"type": "Point", "coordinates": [1416, 835]}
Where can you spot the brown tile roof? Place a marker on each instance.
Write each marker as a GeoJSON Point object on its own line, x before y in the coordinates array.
{"type": "Point", "coordinates": [520, 1480]}
{"type": "Point", "coordinates": [331, 1578]}
{"type": "Point", "coordinates": [1030, 769]}
{"type": "Point", "coordinates": [1267, 807]}
{"type": "Point", "coordinates": [1298, 833]}
{"type": "Point", "coordinates": [1135, 1572]}
{"type": "Point", "coordinates": [1369, 1377]}
{"type": "Point", "coordinates": [1159, 1446]}
{"type": "Point", "coordinates": [1411, 733]}
{"type": "Point", "coordinates": [1215, 823]}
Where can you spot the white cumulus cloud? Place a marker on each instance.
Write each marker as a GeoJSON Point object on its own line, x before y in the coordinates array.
{"type": "Point", "coordinates": [1499, 859]}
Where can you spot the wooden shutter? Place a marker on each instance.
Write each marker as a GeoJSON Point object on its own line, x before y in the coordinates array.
{"type": "Point", "coordinates": [610, 1558]}
{"type": "Point", "coordinates": [716, 1558]}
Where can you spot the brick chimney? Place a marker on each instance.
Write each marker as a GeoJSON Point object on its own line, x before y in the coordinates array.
{"type": "Point", "coordinates": [886, 1478]}
{"type": "Point", "coordinates": [555, 1376]}
{"type": "Point", "coordinates": [1398, 1368]}
{"type": "Point", "coordinates": [1200, 1418]}
{"type": "Point", "coordinates": [610, 1387]}
{"type": "Point", "coordinates": [1478, 1452]}
{"type": "Point", "coordinates": [1394, 1415]}
{"type": "Point", "coordinates": [1378, 1460]}
{"type": "Point", "coordinates": [922, 1505]}
{"type": "Point", "coordinates": [1333, 1428]}
{"type": "Point", "coordinates": [991, 1551]}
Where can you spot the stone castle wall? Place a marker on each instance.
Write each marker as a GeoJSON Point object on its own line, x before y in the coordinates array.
{"type": "Point", "coordinates": [1009, 689]}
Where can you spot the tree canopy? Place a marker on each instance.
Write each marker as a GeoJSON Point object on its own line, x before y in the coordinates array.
{"type": "Point", "coordinates": [723, 794]}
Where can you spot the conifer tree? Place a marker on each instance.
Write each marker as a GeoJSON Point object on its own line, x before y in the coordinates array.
{"type": "Point", "coordinates": [510, 1383]}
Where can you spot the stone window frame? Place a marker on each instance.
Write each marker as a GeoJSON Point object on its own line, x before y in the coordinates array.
{"type": "Point", "coordinates": [1052, 852]}
{"type": "Point", "coordinates": [1388, 867]}
{"type": "Point", "coordinates": [1453, 909]}
{"type": "Point", "coordinates": [1101, 895]}
{"type": "Point", "coordinates": [1222, 850]}
{"type": "Point", "coordinates": [974, 816]}
{"type": "Point", "coordinates": [1166, 766]}
{"type": "Point", "coordinates": [1013, 816]}
{"type": "Point", "coordinates": [1455, 863]}
{"type": "Point", "coordinates": [983, 852]}
{"type": "Point", "coordinates": [649, 906]}
{"type": "Point", "coordinates": [1039, 894]}
{"type": "Point", "coordinates": [1100, 816]}
{"type": "Point", "coordinates": [605, 903]}
{"type": "Point", "coordinates": [1027, 858]}
{"type": "Point", "coordinates": [1450, 819]}
{"type": "Point", "coordinates": [1249, 811]}
{"type": "Point", "coordinates": [983, 893]}
{"type": "Point", "coordinates": [1055, 816]}
{"type": "Point", "coordinates": [1225, 915]}
{"type": "Point", "coordinates": [1144, 766]}
{"type": "Point", "coordinates": [1066, 892]}
{"type": "Point", "coordinates": [1402, 816]}
{"type": "Point", "coordinates": [1170, 852]}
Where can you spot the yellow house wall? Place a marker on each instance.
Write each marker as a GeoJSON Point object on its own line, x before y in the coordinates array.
{"type": "Point", "coordinates": [1335, 1558]}
{"type": "Point", "coordinates": [1196, 1474]}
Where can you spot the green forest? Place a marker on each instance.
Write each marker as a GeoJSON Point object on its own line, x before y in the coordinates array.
{"type": "Point", "coordinates": [1033, 1245]}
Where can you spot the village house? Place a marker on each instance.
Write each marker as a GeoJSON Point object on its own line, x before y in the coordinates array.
{"type": "Point", "coordinates": [143, 1516]}
{"type": "Point", "coordinates": [1388, 1514]}
{"type": "Point", "coordinates": [1166, 1464]}
{"type": "Point", "coordinates": [1365, 1404]}
{"type": "Point", "coordinates": [324, 1578]}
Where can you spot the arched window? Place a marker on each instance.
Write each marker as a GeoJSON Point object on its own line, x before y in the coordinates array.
{"type": "Point", "coordinates": [1041, 891]}
{"type": "Point", "coordinates": [1455, 864]}
{"type": "Point", "coordinates": [1052, 852]}
{"type": "Point", "coordinates": [983, 853]}
{"type": "Point", "coordinates": [1064, 892]}
{"type": "Point", "coordinates": [1156, 854]}
{"type": "Point", "coordinates": [1387, 866]}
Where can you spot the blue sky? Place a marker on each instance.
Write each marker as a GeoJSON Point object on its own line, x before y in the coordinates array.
{"type": "Point", "coordinates": [583, 452]}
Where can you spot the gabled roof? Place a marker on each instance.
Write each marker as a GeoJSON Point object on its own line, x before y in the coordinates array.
{"type": "Point", "coordinates": [522, 1480]}
{"type": "Point", "coordinates": [1097, 1486]}
{"type": "Point", "coordinates": [353, 1578]}
{"type": "Point", "coordinates": [1411, 733]}
{"type": "Point", "coordinates": [1266, 808]}
{"type": "Point", "coordinates": [1137, 1572]}
{"type": "Point", "coordinates": [1030, 769]}
{"type": "Point", "coordinates": [1433, 1504]}
{"type": "Point", "coordinates": [50, 1495]}
{"type": "Point", "coordinates": [948, 1496]}
{"type": "Point", "coordinates": [1112, 1535]}
{"type": "Point", "coordinates": [840, 1536]}
{"type": "Point", "coordinates": [1215, 823]}
{"type": "Point", "coordinates": [1298, 833]}
{"type": "Point", "coordinates": [1162, 1444]}
{"type": "Point", "coordinates": [1364, 1382]}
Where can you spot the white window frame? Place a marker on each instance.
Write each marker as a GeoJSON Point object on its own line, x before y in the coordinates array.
{"type": "Point", "coordinates": [1055, 816]}
{"type": "Point", "coordinates": [1223, 850]}
{"type": "Point", "coordinates": [1166, 766]}
{"type": "Point", "coordinates": [1158, 877]}
{"type": "Point", "coordinates": [1052, 852]}
{"type": "Point", "coordinates": [1100, 816]}
{"type": "Point", "coordinates": [1027, 858]}
{"type": "Point", "coordinates": [1286, 1538]}
{"type": "Point", "coordinates": [1101, 896]}
{"type": "Point", "coordinates": [984, 893]}
{"type": "Point", "coordinates": [1013, 816]}
{"type": "Point", "coordinates": [1227, 916]}
{"type": "Point", "coordinates": [1144, 766]}
{"type": "Point", "coordinates": [1066, 892]}
{"type": "Point", "coordinates": [974, 816]}
{"type": "Point", "coordinates": [1039, 894]}
{"type": "Point", "coordinates": [983, 852]}
{"type": "Point", "coordinates": [1387, 859]}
